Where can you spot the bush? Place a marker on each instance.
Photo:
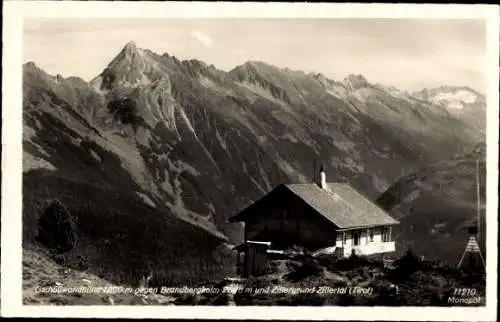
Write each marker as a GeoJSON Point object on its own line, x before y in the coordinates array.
{"type": "Point", "coordinates": [56, 228]}
{"type": "Point", "coordinates": [307, 267]}
{"type": "Point", "coordinates": [351, 263]}
{"type": "Point", "coordinates": [409, 263]}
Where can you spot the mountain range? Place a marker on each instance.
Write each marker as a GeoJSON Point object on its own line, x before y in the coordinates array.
{"type": "Point", "coordinates": [155, 153]}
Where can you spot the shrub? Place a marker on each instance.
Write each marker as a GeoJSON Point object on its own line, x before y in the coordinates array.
{"type": "Point", "coordinates": [272, 267]}
{"type": "Point", "coordinates": [408, 263]}
{"type": "Point", "coordinates": [351, 263]}
{"type": "Point", "coordinates": [56, 228]}
{"type": "Point", "coordinates": [307, 267]}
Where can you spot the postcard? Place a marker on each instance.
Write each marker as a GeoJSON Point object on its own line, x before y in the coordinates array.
{"type": "Point", "coordinates": [250, 160]}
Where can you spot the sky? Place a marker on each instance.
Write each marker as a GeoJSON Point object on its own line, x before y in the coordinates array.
{"type": "Point", "coordinates": [407, 54]}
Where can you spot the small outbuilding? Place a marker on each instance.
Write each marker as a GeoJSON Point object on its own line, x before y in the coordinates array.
{"type": "Point", "coordinates": [254, 261]}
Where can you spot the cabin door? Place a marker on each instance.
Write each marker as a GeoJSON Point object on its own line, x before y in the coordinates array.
{"type": "Point", "coordinates": [356, 237]}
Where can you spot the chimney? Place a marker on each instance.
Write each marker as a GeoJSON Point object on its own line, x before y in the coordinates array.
{"type": "Point", "coordinates": [322, 178]}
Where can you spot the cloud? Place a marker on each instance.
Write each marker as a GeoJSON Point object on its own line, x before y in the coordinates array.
{"type": "Point", "coordinates": [203, 38]}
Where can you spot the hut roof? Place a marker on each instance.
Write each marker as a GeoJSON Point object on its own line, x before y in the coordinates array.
{"type": "Point", "coordinates": [252, 243]}
{"type": "Point", "coordinates": [339, 203]}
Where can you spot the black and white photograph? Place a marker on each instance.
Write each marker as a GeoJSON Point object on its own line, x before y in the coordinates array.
{"type": "Point", "coordinates": [256, 162]}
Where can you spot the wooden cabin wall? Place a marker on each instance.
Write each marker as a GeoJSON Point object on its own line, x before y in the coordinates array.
{"type": "Point", "coordinates": [255, 261]}
{"type": "Point", "coordinates": [294, 221]}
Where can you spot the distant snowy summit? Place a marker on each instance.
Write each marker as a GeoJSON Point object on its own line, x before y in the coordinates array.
{"type": "Point", "coordinates": [455, 98]}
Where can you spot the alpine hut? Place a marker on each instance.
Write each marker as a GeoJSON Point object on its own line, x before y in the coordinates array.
{"type": "Point", "coordinates": [317, 216]}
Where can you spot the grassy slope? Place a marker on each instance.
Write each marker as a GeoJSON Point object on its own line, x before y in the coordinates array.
{"type": "Point", "coordinates": [40, 270]}
{"type": "Point", "coordinates": [122, 239]}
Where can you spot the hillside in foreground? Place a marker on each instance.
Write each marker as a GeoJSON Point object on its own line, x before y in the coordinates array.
{"type": "Point", "coordinates": [358, 281]}
{"type": "Point", "coordinates": [40, 272]}
{"type": "Point", "coordinates": [296, 281]}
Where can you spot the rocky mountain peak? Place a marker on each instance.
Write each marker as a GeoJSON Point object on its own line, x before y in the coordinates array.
{"type": "Point", "coordinates": [354, 82]}
{"type": "Point", "coordinates": [130, 52]}
{"type": "Point", "coordinates": [30, 65]}
{"type": "Point", "coordinates": [254, 63]}
{"type": "Point", "coordinates": [132, 67]}
{"type": "Point", "coordinates": [32, 73]}
{"type": "Point", "coordinates": [253, 66]}
{"type": "Point", "coordinates": [131, 45]}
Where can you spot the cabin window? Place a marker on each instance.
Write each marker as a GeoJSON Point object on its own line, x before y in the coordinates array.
{"type": "Point", "coordinates": [356, 237]}
{"type": "Point", "coordinates": [386, 235]}
{"type": "Point", "coordinates": [370, 233]}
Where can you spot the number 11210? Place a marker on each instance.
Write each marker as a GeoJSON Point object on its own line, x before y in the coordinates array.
{"type": "Point", "coordinates": [464, 291]}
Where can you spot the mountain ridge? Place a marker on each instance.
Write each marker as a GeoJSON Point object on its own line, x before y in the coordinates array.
{"type": "Point", "coordinates": [131, 47]}
{"type": "Point", "coordinates": [280, 92]}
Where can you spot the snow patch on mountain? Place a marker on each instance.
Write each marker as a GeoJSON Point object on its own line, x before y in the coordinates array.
{"type": "Point", "coordinates": [453, 98]}
{"type": "Point", "coordinates": [464, 96]}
